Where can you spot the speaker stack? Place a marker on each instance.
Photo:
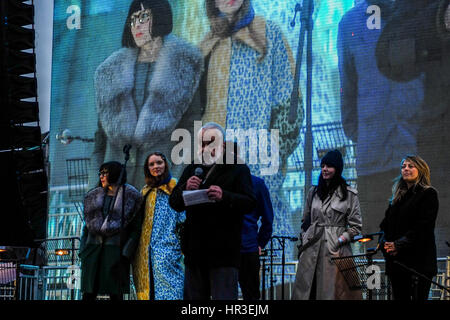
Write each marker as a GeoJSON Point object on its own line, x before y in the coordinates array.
{"type": "Point", "coordinates": [23, 179]}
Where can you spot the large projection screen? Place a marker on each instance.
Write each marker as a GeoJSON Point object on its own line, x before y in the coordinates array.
{"type": "Point", "coordinates": [380, 91]}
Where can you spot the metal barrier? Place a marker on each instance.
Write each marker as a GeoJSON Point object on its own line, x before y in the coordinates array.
{"type": "Point", "coordinates": [8, 279]}
{"type": "Point", "coordinates": [273, 290]}
{"type": "Point", "coordinates": [446, 295]}
{"type": "Point", "coordinates": [443, 278]}
{"type": "Point", "coordinates": [62, 251]}
{"type": "Point", "coordinates": [271, 283]}
{"type": "Point", "coordinates": [27, 282]}
{"type": "Point", "coordinates": [60, 283]}
{"type": "Point", "coordinates": [53, 283]}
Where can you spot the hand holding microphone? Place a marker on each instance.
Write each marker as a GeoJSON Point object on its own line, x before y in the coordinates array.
{"type": "Point", "coordinates": [194, 182]}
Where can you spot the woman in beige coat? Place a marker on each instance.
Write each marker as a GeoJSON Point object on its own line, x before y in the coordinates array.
{"type": "Point", "coordinates": [331, 219]}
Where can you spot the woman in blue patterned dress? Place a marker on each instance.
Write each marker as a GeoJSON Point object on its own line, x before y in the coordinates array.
{"type": "Point", "coordinates": [158, 269]}
{"type": "Point", "coordinates": [247, 85]}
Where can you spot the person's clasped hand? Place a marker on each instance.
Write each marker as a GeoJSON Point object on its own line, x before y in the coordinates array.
{"type": "Point", "coordinates": [215, 193]}
{"type": "Point", "coordinates": [390, 248]}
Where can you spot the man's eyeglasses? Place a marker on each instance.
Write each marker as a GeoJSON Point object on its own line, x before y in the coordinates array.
{"type": "Point", "coordinates": [103, 173]}
{"type": "Point", "coordinates": [142, 18]}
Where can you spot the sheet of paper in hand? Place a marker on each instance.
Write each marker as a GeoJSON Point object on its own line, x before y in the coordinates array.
{"type": "Point", "coordinates": [194, 197]}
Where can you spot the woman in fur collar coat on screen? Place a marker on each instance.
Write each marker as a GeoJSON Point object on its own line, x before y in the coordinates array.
{"type": "Point", "coordinates": [146, 89]}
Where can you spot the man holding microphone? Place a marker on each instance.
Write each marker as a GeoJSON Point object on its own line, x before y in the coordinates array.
{"type": "Point", "coordinates": [211, 239]}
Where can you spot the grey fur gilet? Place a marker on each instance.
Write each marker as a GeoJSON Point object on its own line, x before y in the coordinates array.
{"type": "Point", "coordinates": [170, 93]}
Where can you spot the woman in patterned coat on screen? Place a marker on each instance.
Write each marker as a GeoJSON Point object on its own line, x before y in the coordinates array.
{"type": "Point", "coordinates": [247, 84]}
{"type": "Point", "coordinates": [157, 269]}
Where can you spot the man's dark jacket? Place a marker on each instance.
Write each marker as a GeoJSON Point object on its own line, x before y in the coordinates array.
{"type": "Point", "coordinates": [212, 231]}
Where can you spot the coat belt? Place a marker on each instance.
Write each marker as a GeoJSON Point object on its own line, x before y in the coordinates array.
{"type": "Point", "coordinates": [330, 225]}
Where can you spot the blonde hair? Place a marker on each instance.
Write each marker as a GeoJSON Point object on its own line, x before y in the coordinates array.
{"type": "Point", "coordinates": [423, 179]}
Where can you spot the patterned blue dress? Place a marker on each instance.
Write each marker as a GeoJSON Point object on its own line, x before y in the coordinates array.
{"type": "Point", "coordinates": [159, 251]}
{"type": "Point", "coordinates": [165, 251]}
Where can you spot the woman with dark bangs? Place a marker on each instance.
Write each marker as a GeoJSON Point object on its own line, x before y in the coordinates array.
{"type": "Point", "coordinates": [108, 244]}
{"type": "Point", "coordinates": [158, 268]}
{"type": "Point", "coordinates": [331, 219]}
{"type": "Point", "coordinates": [146, 89]}
{"type": "Point", "coordinates": [408, 229]}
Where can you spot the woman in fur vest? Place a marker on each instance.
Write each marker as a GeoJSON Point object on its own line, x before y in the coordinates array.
{"type": "Point", "coordinates": [105, 251]}
{"type": "Point", "coordinates": [146, 89]}
{"type": "Point", "coordinates": [331, 219]}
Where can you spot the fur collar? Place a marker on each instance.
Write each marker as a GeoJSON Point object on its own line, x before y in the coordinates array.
{"type": "Point", "coordinates": [110, 225]}
{"type": "Point", "coordinates": [176, 75]}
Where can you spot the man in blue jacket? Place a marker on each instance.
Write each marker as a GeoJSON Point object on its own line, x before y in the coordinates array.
{"type": "Point", "coordinates": [254, 240]}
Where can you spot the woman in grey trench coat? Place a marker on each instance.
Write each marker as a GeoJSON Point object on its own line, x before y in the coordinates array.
{"type": "Point", "coordinates": [331, 219]}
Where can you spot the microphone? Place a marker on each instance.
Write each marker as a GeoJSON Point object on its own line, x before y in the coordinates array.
{"type": "Point", "coordinates": [298, 8]}
{"type": "Point", "coordinates": [126, 149]}
{"type": "Point", "coordinates": [381, 241]}
{"type": "Point", "coordinates": [199, 172]}
{"type": "Point", "coordinates": [370, 237]}
{"type": "Point", "coordinates": [65, 137]}
{"type": "Point", "coordinates": [367, 237]}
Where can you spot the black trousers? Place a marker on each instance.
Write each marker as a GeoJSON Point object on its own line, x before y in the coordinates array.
{"type": "Point", "coordinates": [249, 276]}
{"type": "Point", "coordinates": [408, 287]}
{"type": "Point", "coordinates": [204, 283]}
{"type": "Point", "coordinates": [92, 296]}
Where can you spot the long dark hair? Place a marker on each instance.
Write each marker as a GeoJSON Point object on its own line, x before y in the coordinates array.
{"type": "Point", "coordinates": [325, 189]}
{"type": "Point", "coordinates": [162, 21]}
{"type": "Point", "coordinates": [153, 181]}
{"type": "Point", "coordinates": [114, 168]}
